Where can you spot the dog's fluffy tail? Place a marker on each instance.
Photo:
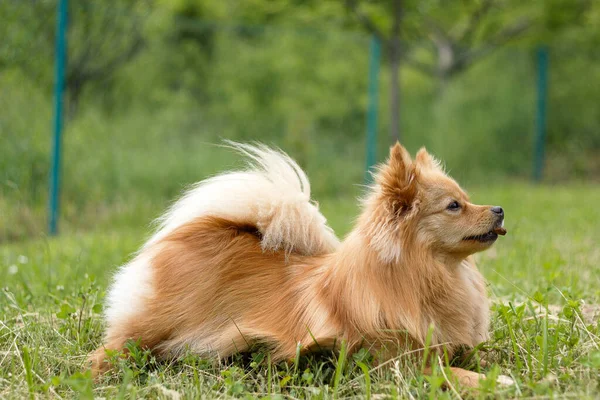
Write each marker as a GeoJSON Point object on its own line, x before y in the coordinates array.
{"type": "Point", "coordinates": [273, 194]}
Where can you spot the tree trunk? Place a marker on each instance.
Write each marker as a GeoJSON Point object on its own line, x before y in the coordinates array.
{"type": "Point", "coordinates": [74, 88]}
{"type": "Point", "coordinates": [446, 62]}
{"type": "Point", "coordinates": [395, 71]}
{"type": "Point", "coordinates": [443, 78]}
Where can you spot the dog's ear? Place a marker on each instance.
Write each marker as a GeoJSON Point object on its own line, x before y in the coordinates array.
{"type": "Point", "coordinates": [397, 179]}
{"type": "Point", "coordinates": [427, 161]}
{"type": "Point", "coordinates": [399, 160]}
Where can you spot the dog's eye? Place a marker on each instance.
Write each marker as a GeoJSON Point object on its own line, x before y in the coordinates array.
{"type": "Point", "coordinates": [453, 206]}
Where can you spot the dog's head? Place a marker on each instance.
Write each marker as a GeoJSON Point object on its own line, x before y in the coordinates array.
{"type": "Point", "coordinates": [416, 203]}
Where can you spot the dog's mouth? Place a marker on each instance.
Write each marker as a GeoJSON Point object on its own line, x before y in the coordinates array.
{"type": "Point", "coordinates": [488, 236]}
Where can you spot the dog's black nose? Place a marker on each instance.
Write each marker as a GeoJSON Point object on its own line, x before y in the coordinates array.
{"type": "Point", "coordinates": [498, 210]}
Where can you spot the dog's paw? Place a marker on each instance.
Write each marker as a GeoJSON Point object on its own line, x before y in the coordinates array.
{"type": "Point", "coordinates": [505, 380]}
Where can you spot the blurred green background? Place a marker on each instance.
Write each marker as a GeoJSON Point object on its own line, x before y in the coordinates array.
{"type": "Point", "coordinates": [152, 86]}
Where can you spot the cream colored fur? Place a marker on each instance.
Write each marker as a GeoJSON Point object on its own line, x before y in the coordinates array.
{"type": "Point", "coordinates": [273, 193]}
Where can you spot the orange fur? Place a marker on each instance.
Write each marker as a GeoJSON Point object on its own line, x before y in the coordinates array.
{"type": "Point", "coordinates": [404, 269]}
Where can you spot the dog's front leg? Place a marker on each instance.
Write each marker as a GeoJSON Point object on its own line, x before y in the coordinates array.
{"type": "Point", "coordinates": [469, 379]}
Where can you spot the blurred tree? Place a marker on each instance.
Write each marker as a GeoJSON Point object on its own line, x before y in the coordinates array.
{"type": "Point", "coordinates": [443, 38]}
{"type": "Point", "coordinates": [101, 39]}
{"type": "Point", "coordinates": [392, 43]}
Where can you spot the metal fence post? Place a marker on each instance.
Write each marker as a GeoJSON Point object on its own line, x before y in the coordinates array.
{"type": "Point", "coordinates": [374, 63]}
{"type": "Point", "coordinates": [540, 124]}
{"type": "Point", "coordinates": [59, 86]}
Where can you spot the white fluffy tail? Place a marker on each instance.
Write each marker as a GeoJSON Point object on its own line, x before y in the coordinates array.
{"type": "Point", "coordinates": [273, 194]}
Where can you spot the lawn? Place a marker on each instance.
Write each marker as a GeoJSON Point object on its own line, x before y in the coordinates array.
{"type": "Point", "coordinates": [544, 278]}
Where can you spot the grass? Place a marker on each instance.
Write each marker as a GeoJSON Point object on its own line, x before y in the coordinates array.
{"type": "Point", "coordinates": [544, 279]}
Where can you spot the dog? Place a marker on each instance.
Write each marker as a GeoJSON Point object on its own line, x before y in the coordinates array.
{"type": "Point", "coordinates": [246, 257]}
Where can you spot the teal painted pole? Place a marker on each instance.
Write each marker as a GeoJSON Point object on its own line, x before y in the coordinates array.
{"type": "Point", "coordinates": [372, 108]}
{"type": "Point", "coordinates": [59, 87]}
{"type": "Point", "coordinates": [540, 124]}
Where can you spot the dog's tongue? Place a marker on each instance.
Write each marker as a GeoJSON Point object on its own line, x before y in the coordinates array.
{"type": "Point", "coordinates": [500, 231]}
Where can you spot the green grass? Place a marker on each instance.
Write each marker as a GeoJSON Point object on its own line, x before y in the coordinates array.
{"type": "Point", "coordinates": [544, 279]}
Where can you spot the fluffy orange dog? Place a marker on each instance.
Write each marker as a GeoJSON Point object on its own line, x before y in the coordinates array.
{"type": "Point", "coordinates": [246, 257]}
